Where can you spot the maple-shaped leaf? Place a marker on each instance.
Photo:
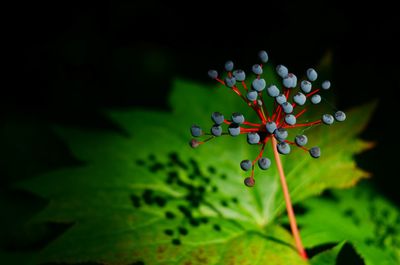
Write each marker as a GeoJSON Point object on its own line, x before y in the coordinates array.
{"type": "Point", "coordinates": [145, 196]}
{"type": "Point", "coordinates": [361, 217]}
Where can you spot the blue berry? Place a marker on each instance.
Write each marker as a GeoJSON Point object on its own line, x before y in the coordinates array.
{"type": "Point", "coordinates": [327, 119]}
{"type": "Point", "coordinates": [257, 69]}
{"type": "Point", "coordinates": [230, 81]}
{"type": "Point", "coordinates": [294, 80]}
{"type": "Point", "coordinates": [234, 129]}
{"type": "Point", "coordinates": [194, 143]}
{"type": "Point", "coordinates": [315, 99]}
{"type": "Point", "coordinates": [287, 107]}
{"type": "Point", "coordinates": [239, 74]}
{"type": "Point", "coordinates": [245, 165]}
{"type": "Point", "coordinates": [280, 134]}
{"type": "Point", "coordinates": [290, 119]}
{"type": "Point", "coordinates": [196, 131]}
{"type": "Point", "coordinates": [217, 117]}
{"type": "Point", "coordinates": [258, 84]}
{"type": "Point", "coordinates": [237, 118]}
{"type": "Point", "coordinates": [280, 99]}
{"type": "Point", "coordinates": [315, 152]}
{"type": "Point", "coordinates": [252, 95]}
{"type": "Point", "coordinates": [282, 70]}
{"type": "Point", "coordinates": [312, 74]}
{"type": "Point", "coordinates": [253, 138]}
{"type": "Point", "coordinates": [340, 115]}
{"type": "Point", "coordinates": [326, 84]}
{"type": "Point", "coordinates": [229, 66]}
{"type": "Point", "coordinates": [283, 148]}
{"type": "Point", "coordinates": [301, 140]}
{"type": "Point", "coordinates": [306, 86]}
{"type": "Point", "coordinates": [270, 126]}
{"type": "Point", "coordinates": [213, 74]}
{"type": "Point", "coordinates": [249, 182]}
{"type": "Point", "coordinates": [264, 163]}
{"type": "Point", "coordinates": [299, 99]}
{"type": "Point", "coordinates": [216, 130]}
{"type": "Point", "coordinates": [263, 55]}
{"type": "Point", "coordinates": [290, 81]}
{"type": "Point", "coordinates": [273, 91]}
{"type": "Point", "coordinates": [287, 82]}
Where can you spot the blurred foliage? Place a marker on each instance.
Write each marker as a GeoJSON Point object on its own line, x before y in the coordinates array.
{"type": "Point", "coordinates": [359, 216]}
{"type": "Point", "coordinates": [142, 195]}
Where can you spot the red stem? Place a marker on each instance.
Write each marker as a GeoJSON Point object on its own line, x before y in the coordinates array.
{"type": "Point", "coordinates": [244, 85]}
{"type": "Point", "coordinates": [227, 122]}
{"type": "Point", "coordinates": [300, 113]}
{"type": "Point", "coordinates": [252, 124]}
{"type": "Point", "coordinates": [312, 93]}
{"type": "Point", "coordinates": [289, 207]}
{"type": "Point", "coordinates": [220, 81]}
{"type": "Point", "coordinates": [268, 117]}
{"type": "Point", "coordinates": [303, 124]}
{"type": "Point", "coordinates": [278, 115]}
{"type": "Point", "coordinates": [255, 108]}
{"type": "Point", "coordinates": [287, 94]}
{"type": "Point", "coordinates": [246, 130]}
{"type": "Point", "coordinates": [293, 143]}
{"type": "Point", "coordinates": [236, 90]}
{"type": "Point", "coordinates": [260, 154]}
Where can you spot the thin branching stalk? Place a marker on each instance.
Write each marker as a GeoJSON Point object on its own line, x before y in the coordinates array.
{"type": "Point", "coordinates": [289, 207]}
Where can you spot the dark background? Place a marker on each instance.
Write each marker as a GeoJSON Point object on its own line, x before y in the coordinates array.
{"type": "Point", "coordinates": [66, 62]}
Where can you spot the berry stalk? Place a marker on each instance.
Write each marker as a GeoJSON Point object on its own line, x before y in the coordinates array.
{"type": "Point", "coordinates": [289, 207]}
{"type": "Point", "coordinates": [272, 126]}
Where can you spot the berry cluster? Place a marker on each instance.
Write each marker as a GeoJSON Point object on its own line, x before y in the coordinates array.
{"type": "Point", "coordinates": [284, 116]}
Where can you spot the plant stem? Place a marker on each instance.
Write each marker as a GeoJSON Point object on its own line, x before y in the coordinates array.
{"type": "Point", "coordinates": [289, 207]}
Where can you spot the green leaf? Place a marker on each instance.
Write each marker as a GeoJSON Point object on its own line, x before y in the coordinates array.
{"type": "Point", "coordinates": [328, 257]}
{"type": "Point", "coordinates": [135, 189]}
{"type": "Point", "coordinates": [366, 220]}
